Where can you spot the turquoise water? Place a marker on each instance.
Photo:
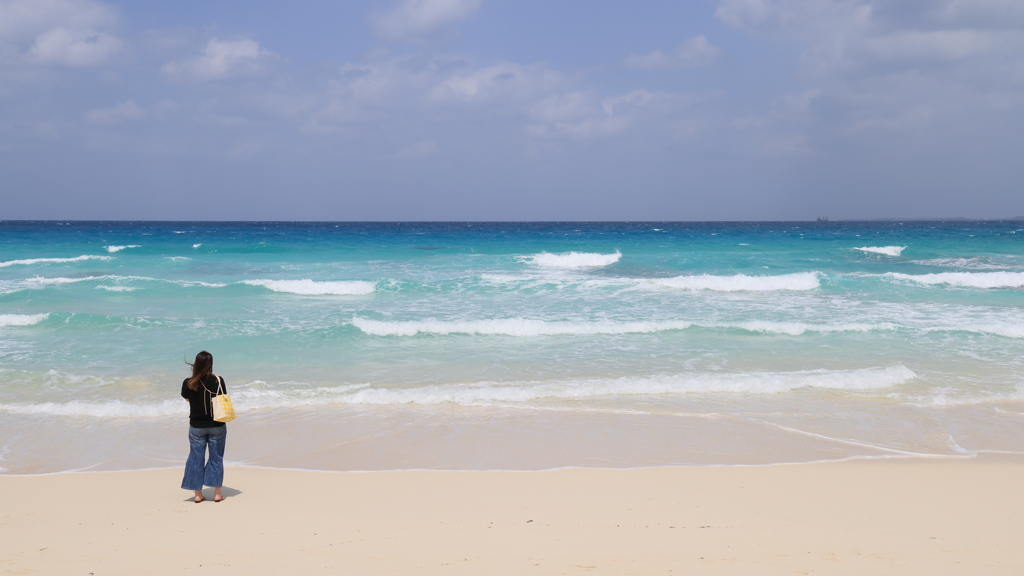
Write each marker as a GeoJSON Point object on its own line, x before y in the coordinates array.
{"type": "Point", "coordinates": [475, 345]}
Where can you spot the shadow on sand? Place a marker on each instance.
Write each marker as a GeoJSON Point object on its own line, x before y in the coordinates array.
{"type": "Point", "coordinates": [225, 491]}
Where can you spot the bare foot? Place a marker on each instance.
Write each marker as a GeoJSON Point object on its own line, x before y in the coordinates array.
{"type": "Point", "coordinates": [217, 496]}
{"type": "Point", "coordinates": [199, 496]}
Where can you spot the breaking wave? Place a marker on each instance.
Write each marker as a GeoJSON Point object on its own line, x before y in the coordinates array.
{"type": "Point", "coordinates": [314, 288]}
{"type": "Point", "coordinates": [883, 250]}
{"type": "Point", "coordinates": [119, 248]}
{"type": "Point", "coordinates": [30, 261]}
{"type": "Point", "coordinates": [965, 279]}
{"type": "Point", "coordinates": [21, 319]}
{"type": "Point", "coordinates": [8, 286]}
{"type": "Point", "coordinates": [572, 259]}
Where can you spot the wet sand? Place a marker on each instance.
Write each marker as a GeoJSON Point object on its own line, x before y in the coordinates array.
{"type": "Point", "coordinates": [893, 516]}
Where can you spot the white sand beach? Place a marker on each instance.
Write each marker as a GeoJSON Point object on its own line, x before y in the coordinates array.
{"type": "Point", "coordinates": [930, 517]}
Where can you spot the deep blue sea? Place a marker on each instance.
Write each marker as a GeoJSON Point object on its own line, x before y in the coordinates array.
{"type": "Point", "coordinates": [350, 346]}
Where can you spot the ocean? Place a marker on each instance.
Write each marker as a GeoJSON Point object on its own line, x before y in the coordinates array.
{"type": "Point", "coordinates": [516, 346]}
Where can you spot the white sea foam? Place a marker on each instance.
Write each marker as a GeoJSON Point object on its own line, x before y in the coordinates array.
{"type": "Point", "coordinates": [315, 288]}
{"type": "Point", "coordinates": [119, 248]}
{"type": "Point", "coordinates": [21, 319]}
{"type": "Point", "coordinates": [742, 282]}
{"type": "Point", "coordinates": [489, 393]}
{"type": "Point", "coordinates": [1005, 329]}
{"type": "Point", "coordinates": [736, 283]}
{"type": "Point", "coordinates": [572, 259]}
{"type": "Point", "coordinates": [506, 278]}
{"type": "Point", "coordinates": [883, 250]}
{"type": "Point", "coordinates": [104, 409]}
{"type": "Point", "coordinates": [975, 263]}
{"type": "Point", "coordinates": [500, 393]}
{"type": "Point", "coordinates": [41, 281]}
{"type": "Point", "coordinates": [529, 327]}
{"type": "Point", "coordinates": [194, 283]}
{"type": "Point", "coordinates": [511, 327]}
{"type": "Point", "coordinates": [798, 328]}
{"type": "Point", "coordinates": [196, 245]}
{"type": "Point", "coordinates": [560, 281]}
{"type": "Point", "coordinates": [965, 279]}
{"type": "Point", "coordinates": [8, 286]}
{"type": "Point", "coordinates": [248, 398]}
{"type": "Point", "coordinates": [30, 261]}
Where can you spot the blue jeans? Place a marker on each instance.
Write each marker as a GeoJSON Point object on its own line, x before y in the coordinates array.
{"type": "Point", "coordinates": [198, 474]}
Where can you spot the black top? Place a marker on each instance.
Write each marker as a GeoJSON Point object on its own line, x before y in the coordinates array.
{"type": "Point", "coordinates": [200, 414]}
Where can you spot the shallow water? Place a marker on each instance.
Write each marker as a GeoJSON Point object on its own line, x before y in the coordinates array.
{"type": "Point", "coordinates": [513, 346]}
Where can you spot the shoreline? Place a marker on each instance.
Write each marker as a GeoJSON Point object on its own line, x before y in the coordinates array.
{"type": "Point", "coordinates": [895, 515]}
{"type": "Point", "coordinates": [851, 458]}
{"type": "Point", "coordinates": [426, 438]}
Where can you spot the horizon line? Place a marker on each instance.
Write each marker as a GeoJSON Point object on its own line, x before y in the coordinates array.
{"type": "Point", "coordinates": [301, 221]}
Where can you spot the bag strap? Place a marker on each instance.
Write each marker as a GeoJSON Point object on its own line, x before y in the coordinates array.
{"type": "Point", "coordinates": [220, 382]}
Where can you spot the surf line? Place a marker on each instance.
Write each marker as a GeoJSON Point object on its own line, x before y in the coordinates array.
{"type": "Point", "coordinates": [842, 441]}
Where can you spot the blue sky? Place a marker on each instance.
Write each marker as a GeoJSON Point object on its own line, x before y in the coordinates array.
{"type": "Point", "coordinates": [511, 110]}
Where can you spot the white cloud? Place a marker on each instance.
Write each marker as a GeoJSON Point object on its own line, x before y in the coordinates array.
{"type": "Point", "coordinates": [504, 81]}
{"type": "Point", "coordinates": [581, 116]}
{"type": "Point", "coordinates": [73, 47]}
{"type": "Point", "coordinates": [894, 67]}
{"type": "Point", "coordinates": [696, 51]}
{"type": "Point", "coordinates": [531, 99]}
{"type": "Point", "coordinates": [72, 33]}
{"type": "Point", "coordinates": [583, 129]}
{"type": "Point", "coordinates": [427, 86]}
{"type": "Point", "coordinates": [1001, 13]}
{"type": "Point", "coordinates": [22, 20]}
{"type": "Point", "coordinates": [413, 20]}
{"type": "Point", "coordinates": [935, 45]}
{"type": "Point", "coordinates": [844, 34]}
{"type": "Point", "coordinates": [569, 107]}
{"type": "Point", "coordinates": [223, 59]}
{"type": "Point", "coordinates": [124, 111]}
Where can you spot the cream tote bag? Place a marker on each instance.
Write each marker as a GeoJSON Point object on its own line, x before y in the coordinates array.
{"type": "Point", "coordinates": [223, 410]}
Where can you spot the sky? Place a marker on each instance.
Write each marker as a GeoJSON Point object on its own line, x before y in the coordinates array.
{"type": "Point", "coordinates": [511, 109]}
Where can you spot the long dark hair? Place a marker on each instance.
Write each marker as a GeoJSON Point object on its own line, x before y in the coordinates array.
{"type": "Point", "coordinates": [201, 368]}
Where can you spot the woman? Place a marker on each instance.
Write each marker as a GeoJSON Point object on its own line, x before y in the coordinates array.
{"type": "Point", "coordinates": [203, 430]}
